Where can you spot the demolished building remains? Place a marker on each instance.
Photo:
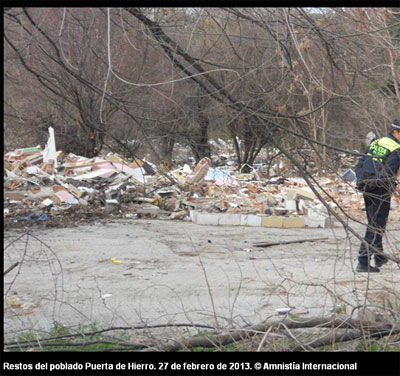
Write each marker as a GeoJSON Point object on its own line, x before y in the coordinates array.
{"type": "Point", "coordinates": [43, 185]}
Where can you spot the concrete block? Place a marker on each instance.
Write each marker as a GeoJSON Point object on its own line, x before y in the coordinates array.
{"type": "Point", "coordinates": [317, 215]}
{"type": "Point", "coordinates": [229, 219]}
{"type": "Point", "coordinates": [317, 222]}
{"type": "Point", "coordinates": [272, 221]}
{"type": "Point", "coordinates": [147, 209]}
{"type": "Point", "coordinates": [224, 219]}
{"type": "Point", "coordinates": [206, 219]}
{"type": "Point", "coordinates": [293, 222]}
{"type": "Point", "coordinates": [323, 210]}
{"type": "Point", "coordinates": [250, 220]}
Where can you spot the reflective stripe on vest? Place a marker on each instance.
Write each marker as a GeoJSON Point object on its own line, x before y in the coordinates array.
{"type": "Point", "coordinates": [382, 147]}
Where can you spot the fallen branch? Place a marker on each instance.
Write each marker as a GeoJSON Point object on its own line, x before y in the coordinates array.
{"type": "Point", "coordinates": [350, 335]}
{"type": "Point", "coordinates": [101, 331]}
{"type": "Point", "coordinates": [250, 331]}
{"type": "Point", "coordinates": [265, 245]}
{"type": "Point", "coordinates": [71, 344]}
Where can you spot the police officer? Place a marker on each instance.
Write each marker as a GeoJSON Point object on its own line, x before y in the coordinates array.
{"type": "Point", "coordinates": [376, 178]}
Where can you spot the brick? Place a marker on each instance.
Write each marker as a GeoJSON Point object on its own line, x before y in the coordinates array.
{"type": "Point", "coordinates": [17, 196]}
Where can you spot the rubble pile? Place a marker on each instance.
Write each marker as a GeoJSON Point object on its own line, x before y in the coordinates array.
{"type": "Point", "coordinates": [45, 186]}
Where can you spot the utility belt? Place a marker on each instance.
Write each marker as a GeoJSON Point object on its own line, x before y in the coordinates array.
{"type": "Point", "coordinates": [376, 177]}
{"type": "Point", "coordinates": [387, 184]}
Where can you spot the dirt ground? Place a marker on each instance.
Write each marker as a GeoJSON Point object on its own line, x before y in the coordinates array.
{"type": "Point", "coordinates": [179, 272]}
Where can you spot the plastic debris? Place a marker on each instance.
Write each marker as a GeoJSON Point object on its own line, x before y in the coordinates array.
{"type": "Point", "coordinates": [34, 217]}
{"type": "Point", "coordinates": [243, 249]}
{"type": "Point", "coordinates": [349, 176]}
{"type": "Point", "coordinates": [49, 153]}
{"type": "Point", "coordinates": [283, 311]}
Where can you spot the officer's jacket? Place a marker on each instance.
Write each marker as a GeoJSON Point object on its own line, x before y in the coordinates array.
{"type": "Point", "coordinates": [381, 161]}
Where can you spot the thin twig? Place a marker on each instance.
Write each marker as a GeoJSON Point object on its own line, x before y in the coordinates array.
{"type": "Point", "coordinates": [264, 339]}
{"type": "Point", "coordinates": [11, 267]}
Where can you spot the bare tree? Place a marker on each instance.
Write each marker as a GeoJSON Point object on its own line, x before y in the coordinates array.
{"type": "Point", "coordinates": [308, 82]}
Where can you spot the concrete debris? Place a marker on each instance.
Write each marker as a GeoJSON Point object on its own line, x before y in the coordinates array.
{"type": "Point", "coordinates": [48, 186]}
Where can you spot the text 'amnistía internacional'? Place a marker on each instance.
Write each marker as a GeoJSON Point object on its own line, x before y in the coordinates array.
{"type": "Point", "coordinates": [310, 366]}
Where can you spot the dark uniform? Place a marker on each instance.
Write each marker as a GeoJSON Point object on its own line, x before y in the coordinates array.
{"type": "Point", "coordinates": [376, 178]}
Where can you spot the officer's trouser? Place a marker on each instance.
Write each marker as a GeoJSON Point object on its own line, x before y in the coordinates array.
{"type": "Point", "coordinates": [377, 206]}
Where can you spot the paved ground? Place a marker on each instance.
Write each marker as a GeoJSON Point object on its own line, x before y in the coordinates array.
{"type": "Point", "coordinates": [179, 272]}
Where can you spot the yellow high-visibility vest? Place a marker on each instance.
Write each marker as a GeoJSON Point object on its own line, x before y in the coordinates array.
{"type": "Point", "coordinates": [381, 148]}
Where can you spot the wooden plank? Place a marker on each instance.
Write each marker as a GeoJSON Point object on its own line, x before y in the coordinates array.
{"type": "Point", "coordinates": [91, 164]}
